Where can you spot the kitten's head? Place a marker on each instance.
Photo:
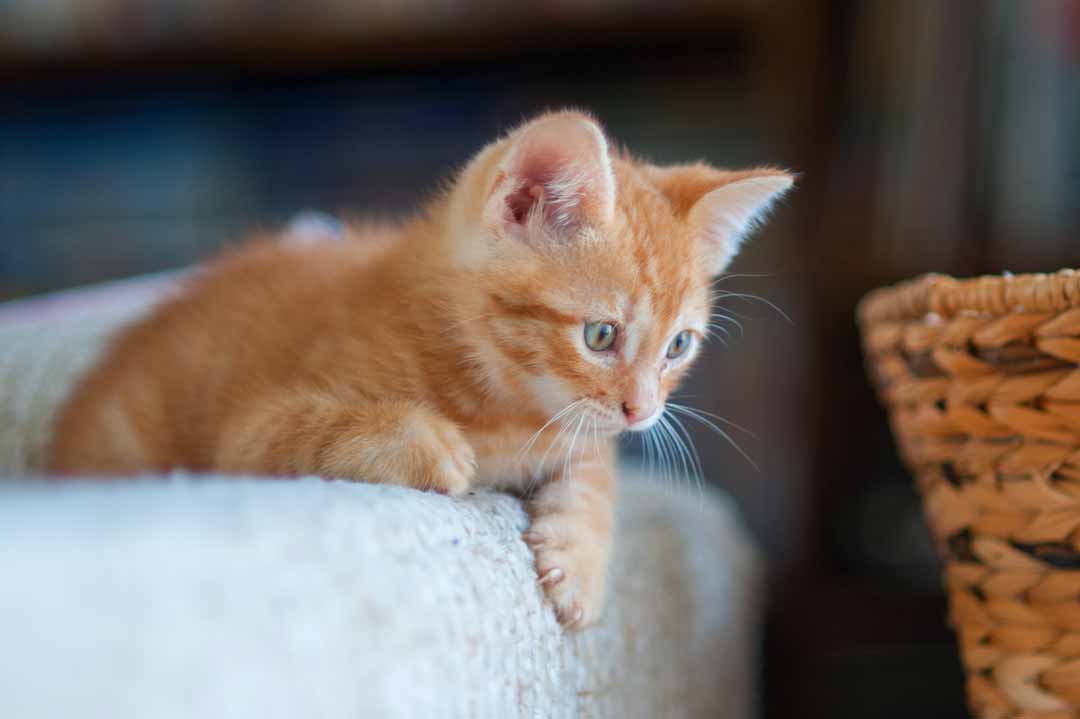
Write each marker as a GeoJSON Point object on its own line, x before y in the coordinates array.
{"type": "Point", "coordinates": [589, 272]}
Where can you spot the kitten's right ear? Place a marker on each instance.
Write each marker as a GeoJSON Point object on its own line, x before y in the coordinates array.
{"type": "Point", "coordinates": [554, 179]}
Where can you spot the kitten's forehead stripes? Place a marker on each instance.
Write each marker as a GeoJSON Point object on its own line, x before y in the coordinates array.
{"type": "Point", "coordinates": [663, 259]}
{"type": "Point", "coordinates": [645, 265]}
{"type": "Point", "coordinates": [531, 310]}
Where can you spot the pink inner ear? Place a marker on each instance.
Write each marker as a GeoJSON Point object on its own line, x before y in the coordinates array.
{"type": "Point", "coordinates": [521, 203]}
{"type": "Point", "coordinates": [556, 175]}
{"type": "Point", "coordinates": [546, 176]}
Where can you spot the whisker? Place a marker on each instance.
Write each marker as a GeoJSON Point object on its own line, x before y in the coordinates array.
{"type": "Point", "coordinates": [740, 275]}
{"type": "Point", "coordinates": [699, 470]}
{"type": "Point", "coordinates": [678, 460]}
{"type": "Point", "coordinates": [564, 425]}
{"type": "Point", "coordinates": [676, 445]}
{"type": "Point", "coordinates": [719, 315]}
{"type": "Point", "coordinates": [748, 297]}
{"type": "Point", "coordinates": [539, 466]}
{"type": "Point", "coordinates": [536, 435]}
{"type": "Point", "coordinates": [567, 461]}
{"type": "Point", "coordinates": [676, 427]}
{"type": "Point", "coordinates": [656, 466]}
{"type": "Point", "coordinates": [694, 410]}
{"type": "Point", "coordinates": [712, 425]}
{"type": "Point", "coordinates": [596, 445]}
{"type": "Point", "coordinates": [595, 440]}
{"type": "Point", "coordinates": [666, 463]}
{"type": "Point", "coordinates": [646, 453]}
{"type": "Point", "coordinates": [662, 433]}
{"type": "Point", "coordinates": [728, 311]}
{"type": "Point", "coordinates": [723, 340]}
{"type": "Point", "coordinates": [720, 328]}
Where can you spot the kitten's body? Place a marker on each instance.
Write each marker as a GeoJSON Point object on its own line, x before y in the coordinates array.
{"type": "Point", "coordinates": [338, 319]}
{"type": "Point", "coordinates": [436, 354]}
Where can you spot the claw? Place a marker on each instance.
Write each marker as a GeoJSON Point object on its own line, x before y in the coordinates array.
{"type": "Point", "coordinates": [571, 616]}
{"type": "Point", "coordinates": [533, 538]}
{"type": "Point", "coordinates": [552, 576]}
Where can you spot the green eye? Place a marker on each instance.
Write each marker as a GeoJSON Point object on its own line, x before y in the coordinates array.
{"type": "Point", "coordinates": [680, 344]}
{"type": "Point", "coordinates": [600, 336]}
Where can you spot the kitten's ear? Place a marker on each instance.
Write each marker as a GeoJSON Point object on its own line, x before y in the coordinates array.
{"type": "Point", "coordinates": [722, 208]}
{"type": "Point", "coordinates": [555, 178]}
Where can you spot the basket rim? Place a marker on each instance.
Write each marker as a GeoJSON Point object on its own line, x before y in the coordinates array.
{"type": "Point", "coordinates": [948, 296]}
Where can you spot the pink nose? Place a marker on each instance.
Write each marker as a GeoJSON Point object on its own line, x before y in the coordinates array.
{"type": "Point", "coordinates": [635, 413]}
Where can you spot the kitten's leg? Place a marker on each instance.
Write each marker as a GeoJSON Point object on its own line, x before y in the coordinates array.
{"type": "Point", "coordinates": [392, 442]}
{"type": "Point", "coordinates": [572, 518]}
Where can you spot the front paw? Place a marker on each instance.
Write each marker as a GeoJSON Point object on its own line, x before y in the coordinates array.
{"type": "Point", "coordinates": [435, 455]}
{"type": "Point", "coordinates": [425, 451]}
{"type": "Point", "coordinates": [572, 567]}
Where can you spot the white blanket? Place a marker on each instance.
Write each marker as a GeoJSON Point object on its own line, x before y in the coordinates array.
{"type": "Point", "coordinates": [227, 597]}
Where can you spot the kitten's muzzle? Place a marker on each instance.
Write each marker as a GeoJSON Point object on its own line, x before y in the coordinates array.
{"type": "Point", "coordinates": [640, 418]}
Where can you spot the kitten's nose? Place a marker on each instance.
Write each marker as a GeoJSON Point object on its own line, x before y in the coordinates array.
{"type": "Point", "coordinates": [639, 402]}
{"type": "Point", "coordinates": [634, 413]}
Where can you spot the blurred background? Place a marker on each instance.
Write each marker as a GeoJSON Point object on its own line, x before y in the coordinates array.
{"type": "Point", "coordinates": [931, 135]}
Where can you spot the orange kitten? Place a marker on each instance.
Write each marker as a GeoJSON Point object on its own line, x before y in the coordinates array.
{"type": "Point", "coordinates": [558, 290]}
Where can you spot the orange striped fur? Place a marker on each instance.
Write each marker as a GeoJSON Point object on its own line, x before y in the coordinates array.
{"type": "Point", "coordinates": [433, 354]}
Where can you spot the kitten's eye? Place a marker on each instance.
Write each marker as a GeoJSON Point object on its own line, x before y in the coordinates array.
{"type": "Point", "coordinates": [680, 344]}
{"type": "Point", "coordinates": [599, 336]}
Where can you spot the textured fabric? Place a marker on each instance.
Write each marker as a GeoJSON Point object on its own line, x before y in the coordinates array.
{"type": "Point", "coordinates": [214, 597]}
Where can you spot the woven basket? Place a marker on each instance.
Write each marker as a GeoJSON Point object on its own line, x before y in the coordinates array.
{"type": "Point", "coordinates": [982, 385]}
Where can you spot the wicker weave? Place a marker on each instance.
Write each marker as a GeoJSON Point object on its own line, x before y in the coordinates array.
{"type": "Point", "coordinates": [982, 385]}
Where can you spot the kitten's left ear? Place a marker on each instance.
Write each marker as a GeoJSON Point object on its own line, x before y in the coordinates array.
{"type": "Point", "coordinates": [721, 207]}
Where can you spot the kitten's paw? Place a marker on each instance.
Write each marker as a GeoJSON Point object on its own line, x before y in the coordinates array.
{"type": "Point", "coordinates": [437, 456]}
{"type": "Point", "coordinates": [423, 451]}
{"type": "Point", "coordinates": [571, 568]}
